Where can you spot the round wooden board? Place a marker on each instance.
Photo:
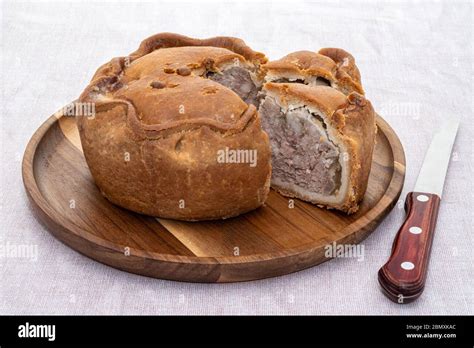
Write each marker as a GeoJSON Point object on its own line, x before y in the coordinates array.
{"type": "Point", "coordinates": [270, 241]}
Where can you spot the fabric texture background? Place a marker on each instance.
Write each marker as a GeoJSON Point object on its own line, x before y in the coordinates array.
{"type": "Point", "coordinates": [416, 60]}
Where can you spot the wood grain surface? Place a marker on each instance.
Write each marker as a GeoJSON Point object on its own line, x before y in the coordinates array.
{"type": "Point", "coordinates": [274, 240]}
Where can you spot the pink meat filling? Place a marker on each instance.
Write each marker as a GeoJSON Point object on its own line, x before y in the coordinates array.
{"type": "Point", "coordinates": [239, 80]}
{"type": "Point", "coordinates": [301, 152]}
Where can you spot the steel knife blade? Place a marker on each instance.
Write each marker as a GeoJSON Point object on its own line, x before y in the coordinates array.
{"type": "Point", "coordinates": [434, 168]}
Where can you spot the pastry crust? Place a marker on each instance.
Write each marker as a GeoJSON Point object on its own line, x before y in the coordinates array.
{"type": "Point", "coordinates": [332, 64]}
{"type": "Point", "coordinates": [153, 144]}
{"type": "Point", "coordinates": [350, 122]}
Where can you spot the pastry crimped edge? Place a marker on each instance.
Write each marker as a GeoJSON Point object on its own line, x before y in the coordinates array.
{"type": "Point", "coordinates": [116, 66]}
{"type": "Point", "coordinates": [351, 125]}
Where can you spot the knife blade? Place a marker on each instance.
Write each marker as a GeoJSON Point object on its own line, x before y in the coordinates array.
{"type": "Point", "coordinates": [403, 276]}
{"type": "Point", "coordinates": [435, 165]}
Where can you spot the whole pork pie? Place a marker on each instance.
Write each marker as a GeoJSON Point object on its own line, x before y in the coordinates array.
{"type": "Point", "coordinates": [189, 129]}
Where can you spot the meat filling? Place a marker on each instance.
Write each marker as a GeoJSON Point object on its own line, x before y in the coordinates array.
{"type": "Point", "coordinates": [302, 154]}
{"type": "Point", "coordinates": [239, 80]}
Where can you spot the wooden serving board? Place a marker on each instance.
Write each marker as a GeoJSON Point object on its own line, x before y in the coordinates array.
{"type": "Point", "coordinates": [271, 241]}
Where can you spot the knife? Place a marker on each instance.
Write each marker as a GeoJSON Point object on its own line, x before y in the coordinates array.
{"type": "Point", "coordinates": [403, 277]}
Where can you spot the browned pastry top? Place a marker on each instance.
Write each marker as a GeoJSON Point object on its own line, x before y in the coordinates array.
{"type": "Point", "coordinates": [163, 86]}
{"type": "Point", "coordinates": [173, 98]}
{"type": "Point", "coordinates": [345, 63]}
{"type": "Point", "coordinates": [306, 62]}
{"type": "Point", "coordinates": [181, 60]}
{"type": "Point", "coordinates": [333, 64]}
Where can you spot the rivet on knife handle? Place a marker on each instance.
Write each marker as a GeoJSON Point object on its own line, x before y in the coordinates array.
{"type": "Point", "coordinates": [403, 276]}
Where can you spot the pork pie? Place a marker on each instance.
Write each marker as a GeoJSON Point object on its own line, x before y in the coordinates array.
{"type": "Point", "coordinates": [176, 132]}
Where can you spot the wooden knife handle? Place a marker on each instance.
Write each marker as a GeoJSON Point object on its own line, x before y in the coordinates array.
{"type": "Point", "coordinates": [403, 276]}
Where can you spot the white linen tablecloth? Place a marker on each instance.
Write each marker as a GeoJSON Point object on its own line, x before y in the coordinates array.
{"type": "Point", "coordinates": [416, 60]}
